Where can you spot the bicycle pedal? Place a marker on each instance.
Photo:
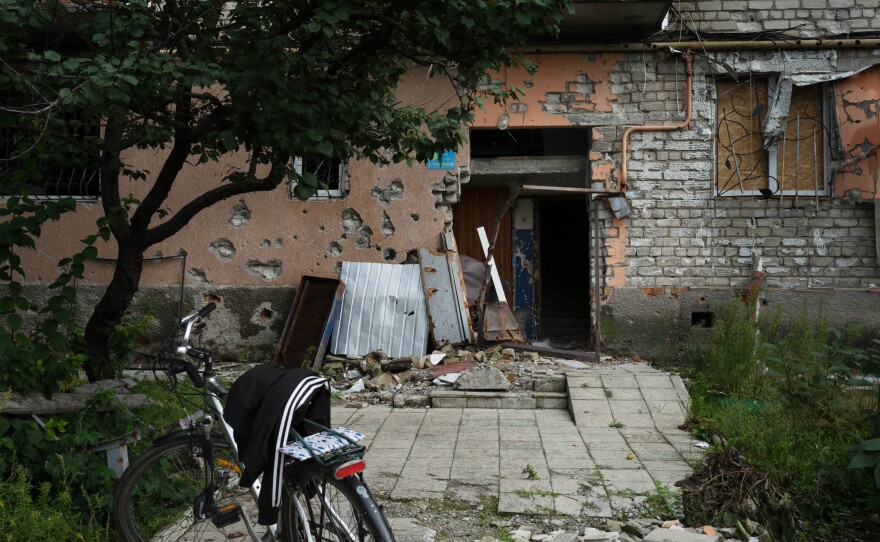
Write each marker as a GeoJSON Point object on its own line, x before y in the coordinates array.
{"type": "Point", "coordinates": [226, 515]}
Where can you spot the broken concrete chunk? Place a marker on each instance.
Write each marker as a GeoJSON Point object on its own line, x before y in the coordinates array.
{"type": "Point", "coordinates": [446, 380]}
{"type": "Point", "coordinates": [398, 365]}
{"type": "Point", "coordinates": [483, 377]}
{"type": "Point", "coordinates": [531, 356]}
{"type": "Point", "coordinates": [356, 388]}
{"type": "Point", "coordinates": [402, 378]}
{"type": "Point", "coordinates": [508, 353]}
{"type": "Point", "coordinates": [382, 382]}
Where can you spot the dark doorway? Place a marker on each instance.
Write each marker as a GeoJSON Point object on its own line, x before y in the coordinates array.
{"type": "Point", "coordinates": [564, 267]}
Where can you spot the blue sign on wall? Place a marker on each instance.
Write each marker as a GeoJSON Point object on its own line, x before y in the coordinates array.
{"type": "Point", "coordinates": [443, 161]}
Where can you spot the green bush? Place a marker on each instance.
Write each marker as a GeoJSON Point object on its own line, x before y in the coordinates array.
{"type": "Point", "coordinates": [791, 395]}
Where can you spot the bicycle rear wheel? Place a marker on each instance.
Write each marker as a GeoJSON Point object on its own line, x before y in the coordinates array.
{"type": "Point", "coordinates": [159, 496]}
{"type": "Point", "coordinates": [335, 511]}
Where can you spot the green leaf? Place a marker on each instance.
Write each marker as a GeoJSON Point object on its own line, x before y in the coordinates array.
{"type": "Point", "coordinates": [870, 445]}
{"type": "Point", "coordinates": [51, 56]}
{"type": "Point", "coordinates": [14, 321]}
{"type": "Point", "coordinates": [864, 459]}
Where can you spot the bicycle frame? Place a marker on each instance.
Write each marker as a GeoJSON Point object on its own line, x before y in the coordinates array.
{"type": "Point", "coordinates": [202, 426]}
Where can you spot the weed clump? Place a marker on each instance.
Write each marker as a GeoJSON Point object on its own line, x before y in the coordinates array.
{"type": "Point", "coordinates": [792, 406]}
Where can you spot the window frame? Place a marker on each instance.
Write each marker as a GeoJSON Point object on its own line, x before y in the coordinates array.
{"type": "Point", "coordinates": [773, 152]}
{"type": "Point", "coordinates": [321, 194]}
{"type": "Point", "coordinates": [85, 178]}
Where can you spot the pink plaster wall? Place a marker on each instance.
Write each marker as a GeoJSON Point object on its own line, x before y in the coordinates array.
{"type": "Point", "coordinates": [858, 113]}
{"type": "Point", "coordinates": [297, 233]}
{"type": "Point", "coordinates": [583, 80]}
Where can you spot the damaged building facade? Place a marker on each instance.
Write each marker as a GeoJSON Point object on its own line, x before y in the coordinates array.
{"type": "Point", "coordinates": [673, 153]}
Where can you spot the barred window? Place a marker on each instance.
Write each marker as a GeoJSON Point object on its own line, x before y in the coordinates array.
{"type": "Point", "coordinates": [329, 172]}
{"type": "Point", "coordinates": [78, 177]}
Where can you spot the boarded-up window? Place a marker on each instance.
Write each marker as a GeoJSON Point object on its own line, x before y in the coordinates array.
{"type": "Point", "coordinates": [741, 162]}
{"type": "Point", "coordinates": [746, 162]}
{"type": "Point", "coordinates": [800, 161]}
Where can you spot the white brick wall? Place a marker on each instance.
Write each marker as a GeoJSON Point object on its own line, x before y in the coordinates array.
{"type": "Point", "coordinates": [801, 18]}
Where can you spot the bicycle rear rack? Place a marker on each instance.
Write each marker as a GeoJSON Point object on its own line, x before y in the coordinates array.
{"type": "Point", "coordinates": [328, 458]}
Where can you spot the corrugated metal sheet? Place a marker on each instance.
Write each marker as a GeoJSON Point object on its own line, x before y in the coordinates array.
{"type": "Point", "coordinates": [383, 307]}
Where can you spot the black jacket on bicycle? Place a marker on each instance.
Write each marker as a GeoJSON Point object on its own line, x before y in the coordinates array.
{"type": "Point", "coordinates": [263, 405]}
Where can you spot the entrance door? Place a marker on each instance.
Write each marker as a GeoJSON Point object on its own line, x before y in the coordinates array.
{"type": "Point", "coordinates": [563, 251]}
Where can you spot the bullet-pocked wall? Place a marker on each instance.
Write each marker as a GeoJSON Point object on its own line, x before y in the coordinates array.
{"type": "Point", "coordinates": [250, 252]}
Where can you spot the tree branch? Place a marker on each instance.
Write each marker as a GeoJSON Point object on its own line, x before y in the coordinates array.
{"type": "Point", "coordinates": [163, 231]}
{"type": "Point", "coordinates": [110, 165]}
{"type": "Point", "coordinates": [171, 168]}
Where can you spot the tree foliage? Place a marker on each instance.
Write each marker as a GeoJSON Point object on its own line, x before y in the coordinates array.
{"type": "Point", "coordinates": [270, 79]}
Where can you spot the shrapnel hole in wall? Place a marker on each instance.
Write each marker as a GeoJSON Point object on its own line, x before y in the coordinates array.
{"type": "Point", "coordinates": [702, 319]}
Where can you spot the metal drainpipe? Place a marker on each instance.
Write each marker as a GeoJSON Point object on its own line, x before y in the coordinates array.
{"type": "Point", "coordinates": [718, 45]}
{"type": "Point", "coordinates": [689, 66]}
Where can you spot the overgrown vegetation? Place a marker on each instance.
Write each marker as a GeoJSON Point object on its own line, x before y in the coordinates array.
{"type": "Point", "coordinates": [793, 408]}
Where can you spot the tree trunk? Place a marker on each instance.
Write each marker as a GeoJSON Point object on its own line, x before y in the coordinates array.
{"type": "Point", "coordinates": [110, 310]}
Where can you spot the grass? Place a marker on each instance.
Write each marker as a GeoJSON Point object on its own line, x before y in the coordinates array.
{"type": "Point", "coordinates": [777, 393]}
{"type": "Point", "coordinates": [44, 512]}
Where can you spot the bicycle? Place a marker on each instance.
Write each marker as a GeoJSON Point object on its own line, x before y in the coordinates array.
{"type": "Point", "coordinates": [185, 488]}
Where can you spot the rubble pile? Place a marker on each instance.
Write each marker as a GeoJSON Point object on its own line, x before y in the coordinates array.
{"type": "Point", "coordinates": [408, 381]}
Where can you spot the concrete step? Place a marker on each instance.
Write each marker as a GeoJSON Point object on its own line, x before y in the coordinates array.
{"type": "Point", "coordinates": [499, 399]}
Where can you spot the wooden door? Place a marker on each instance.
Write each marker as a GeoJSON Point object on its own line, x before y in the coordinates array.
{"type": "Point", "coordinates": [479, 207]}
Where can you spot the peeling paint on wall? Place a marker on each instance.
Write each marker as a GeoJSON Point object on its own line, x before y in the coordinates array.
{"type": "Point", "coordinates": [334, 249]}
{"type": "Point", "coordinates": [351, 221]}
{"type": "Point", "coordinates": [197, 276]}
{"type": "Point", "coordinates": [390, 194]}
{"type": "Point", "coordinates": [858, 115]}
{"type": "Point", "coordinates": [223, 249]}
{"type": "Point", "coordinates": [239, 215]}
{"type": "Point", "coordinates": [615, 261]}
{"type": "Point", "coordinates": [268, 271]}
{"type": "Point", "coordinates": [523, 266]}
{"type": "Point", "coordinates": [564, 86]}
{"type": "Point", "coordinates": [387, 225]}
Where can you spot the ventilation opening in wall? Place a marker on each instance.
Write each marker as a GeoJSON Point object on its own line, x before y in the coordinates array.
{"type": "Point", "coordinates": [701, 319]}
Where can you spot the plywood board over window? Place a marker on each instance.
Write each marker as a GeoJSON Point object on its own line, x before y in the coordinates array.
{"type": "Point", "coordinates": [747, 163]}
{"type": "Point", "coordinates": [800, 161]}
{"type": "Point", "coordinates": [740, 159]}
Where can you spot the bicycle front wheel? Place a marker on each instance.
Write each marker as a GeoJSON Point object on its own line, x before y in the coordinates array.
{"type": "Point", "coordinates": [161, 496]}
{"type": "Point", "coordinates": [335, 511]}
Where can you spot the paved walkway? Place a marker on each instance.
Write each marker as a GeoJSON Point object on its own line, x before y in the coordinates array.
{"type": "Point", "coordinates": [618, 441]}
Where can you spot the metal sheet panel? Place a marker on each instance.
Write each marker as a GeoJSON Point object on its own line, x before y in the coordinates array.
{"type": "Point", "coordinates": [448, 315]}
{"type": "Point", "coordinates": [383, 307]}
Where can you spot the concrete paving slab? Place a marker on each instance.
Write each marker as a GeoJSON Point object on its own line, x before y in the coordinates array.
{"type": "Point", "coordinates": [583, 464]}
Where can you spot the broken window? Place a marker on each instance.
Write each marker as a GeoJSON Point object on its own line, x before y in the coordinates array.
{"type": "Point", "coordinates": [330, 174]}
{"type": "Point", "coordinates": [749, 160]}
{"type": "Point", "coordinates": [79, 177]}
